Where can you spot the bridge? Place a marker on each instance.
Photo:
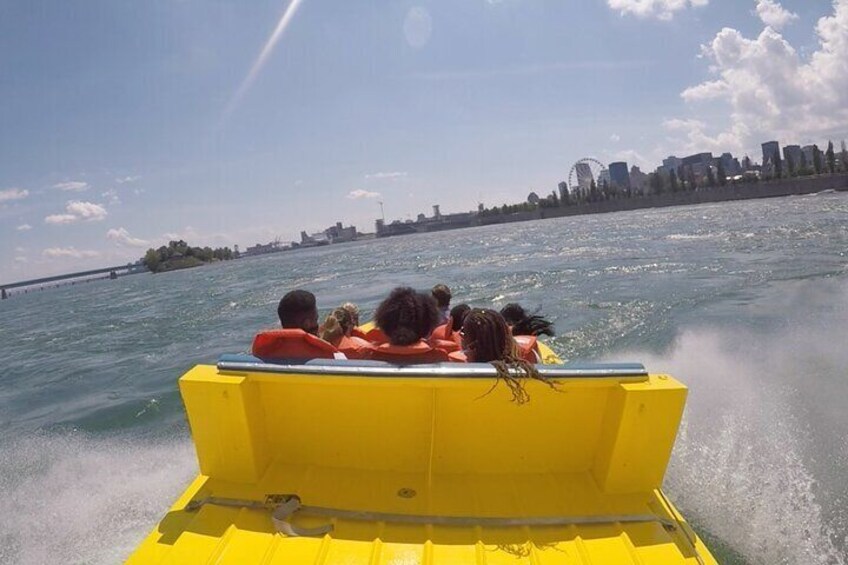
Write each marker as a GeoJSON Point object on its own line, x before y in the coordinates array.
{"type": "Point", "coordinates": [113, 272]}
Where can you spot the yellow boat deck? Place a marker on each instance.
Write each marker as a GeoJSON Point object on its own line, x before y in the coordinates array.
{"type": "Point", "coordinates": [572, 477]}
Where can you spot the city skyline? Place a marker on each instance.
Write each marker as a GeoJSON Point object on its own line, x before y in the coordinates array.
{"type": "Point", "coordinates": [110, 151]}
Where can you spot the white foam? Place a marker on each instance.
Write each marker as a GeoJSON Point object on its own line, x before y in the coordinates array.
{"type": "Point", "coordinates": [739, 468]}
{"type": "Point", "coordinates": [73, 498]}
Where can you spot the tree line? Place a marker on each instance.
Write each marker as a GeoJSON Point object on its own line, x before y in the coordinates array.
{"type": "Point", "coordinates": [180, 255]}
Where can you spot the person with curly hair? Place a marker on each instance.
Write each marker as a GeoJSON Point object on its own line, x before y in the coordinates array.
{"type": "Point", "coordinates": [407, 317]}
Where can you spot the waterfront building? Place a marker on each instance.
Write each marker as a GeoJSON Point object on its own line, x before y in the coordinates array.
{"type": "Point", "coordinates": [584, 176]}
{"type": "Point", "coordinates": [339, 234]}
{"type": "Point", "coordinates": [771, 152]}
{"type": "Point", "coordinates": [809, 153]}
{"type": "Point", "coordinates": [619, 175]}
{"type": "Point", "coordinates": [563, 191]}
{"type": "Point", "coordinates": [638, 180]}
{"type": "Point", "coordinates": [436, 213]}
{"type": "Point", "coordinates": [792, 154]}
{"type": "Point", "coordinates": [672, 163]}
{"type": "Point", "coordinates": [533, 198]}
{"type": "Point", "coordinates": [730, 165]}
{"type": "Point", "coordinates": [699, 163]}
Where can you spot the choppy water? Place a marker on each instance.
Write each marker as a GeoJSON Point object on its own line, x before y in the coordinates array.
{"type": "Point", "coordinates": [745, 302]}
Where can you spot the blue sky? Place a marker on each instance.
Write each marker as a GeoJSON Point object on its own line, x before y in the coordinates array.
{"type": "Point", "coordinates": [121, 126]}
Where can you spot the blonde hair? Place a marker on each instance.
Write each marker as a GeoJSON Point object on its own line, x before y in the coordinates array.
{"type": "Point", "coordinates": [331, 330]}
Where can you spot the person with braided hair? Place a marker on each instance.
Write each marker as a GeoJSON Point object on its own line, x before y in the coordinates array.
{"type": "Point", "coordinates": [486, 338]}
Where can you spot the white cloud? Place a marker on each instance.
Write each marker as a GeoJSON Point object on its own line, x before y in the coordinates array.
{"type": "Point", "coordinates": [359, 194]}
{"type": "Point", "coordinates": [615, 138]}
{"type": "Point", "coordinates": [129, 179]}
{"type": "Point", "coordinates": [57, 252]}
{"type": "Point", "coordinates": [773, 14]}
{"type": "Point", "coordinates": [21, 259]}
{"type": "Point", "coordinates": [72, 186]}
{"type": "Point", "coordinates": [122, 237]}
{"type": "Point", "coordinates": [77, 211]}
{"type": "Point", "coordinates": [392, 175]}
{"type": "Point", "coordinates": [13, 194]}
{"type": "Point", "coordinates": [771, 91]}
{"type": "Point", "coordinates": [660, 9]}
{"type": "Point", "coordinates": [111, 196]}
{"type": "Point", "coordinates": [24, 227]}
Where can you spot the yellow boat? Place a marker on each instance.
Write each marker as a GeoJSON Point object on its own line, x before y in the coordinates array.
{"type": "Point", "coordinates": [349, 462]}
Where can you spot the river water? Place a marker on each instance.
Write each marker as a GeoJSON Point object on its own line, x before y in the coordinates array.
{"type": "Point", "coordinates": [746, 302]}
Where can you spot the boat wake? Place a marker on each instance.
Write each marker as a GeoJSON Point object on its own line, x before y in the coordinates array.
{"type": "Point", "coordinates": [73, 498]}
{"type": "Point", "coordinates": [743, 470]}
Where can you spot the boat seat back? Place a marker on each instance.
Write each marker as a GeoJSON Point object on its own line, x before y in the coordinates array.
{"type": "Point", "coordinates": [446, 420]}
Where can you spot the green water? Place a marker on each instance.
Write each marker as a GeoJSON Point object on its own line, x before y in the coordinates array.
{"type": "Point", "coordinates": [745, 302]}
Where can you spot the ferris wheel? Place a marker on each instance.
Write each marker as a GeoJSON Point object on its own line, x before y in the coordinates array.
{"type": "Point", "coordinates": [582, 173]}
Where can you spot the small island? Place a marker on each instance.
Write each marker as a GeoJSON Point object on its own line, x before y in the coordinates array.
{"type": "Point", "coordinates": [179, 255]}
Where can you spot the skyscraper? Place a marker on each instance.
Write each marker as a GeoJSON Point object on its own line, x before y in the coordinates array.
{"type": "Point", "coordinates": [792, 154]}
{"type": "Point", "coordinates": [619, 175]}
{"type": "Point", "coordinates": [771, 152]}
{"type": "Point", "coordinates": [584, 176]}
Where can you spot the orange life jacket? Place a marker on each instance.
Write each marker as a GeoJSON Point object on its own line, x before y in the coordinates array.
{"type": "Point", "coordinates": [528, 348]}
{"type": "Point", "coordinates": [447, 345]}
{"type": "Point", "coordinates": [356, 332]}
{"type": "Point", "coordinates": [291, 344]}
{"type": "Point", "coordinates": [354, 347]}
{"type": "Point", "coordinates": [420, 352]}
{"type": "Point", "coordinates": [376, 336]}
{"type": "Point", "coordinates": [458, 356]}
{"type": "Point", "coordinates": [445, 333]}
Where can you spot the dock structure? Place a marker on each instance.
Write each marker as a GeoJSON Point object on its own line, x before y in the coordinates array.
{"type": "Point", "coordinates": [112, 272]}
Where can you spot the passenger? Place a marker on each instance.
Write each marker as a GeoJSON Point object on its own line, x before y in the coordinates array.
{"type": "Point", "coordinates": [297, 310]}
{"type": "Point", "coordinates": [446, 336]}
{"type": "Point", "coordinates": [331, 330]}
{"type": "Point", "coordinates": [351, 345]}
{"type": "Point", "coordinates": [298, 340]}
{"type": "Point", "coordinates": [442, 295]}
{"type": "Point", "coordinates": [486, 339]}
{"type": "Point", "coordinates": [457, 315]}
{"type": "Point", "coordinates": [353, 310]}
{"type": "Point", "coordinates": [522, 324]}
{"type": "Point", "coordinates": [407, 317]}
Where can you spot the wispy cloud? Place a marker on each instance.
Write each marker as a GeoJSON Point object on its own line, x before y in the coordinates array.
{"type": "Point", "coordinates": [390, 175]}
{"type": "Point", "coordinates": [58, 252]}
{"type": "Point", "coordinates": [111, 196]}
{"type": "Point", "coordinates": [13, 194]}
{"type": "Point", "coordinates": [77, 211]}
{"type": "Point", "coordinates": [24, 227]}
{"type": "Point", "coordinates": [360, 194]}
{"type": "Point", "coordinates": [529, 70]}
{"type": "Point", "coordinates": [72, 186]}
{"type": "Point", "coordinates": [129, 179]}
{"type": "Point", "coordinates": [122, 237]}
